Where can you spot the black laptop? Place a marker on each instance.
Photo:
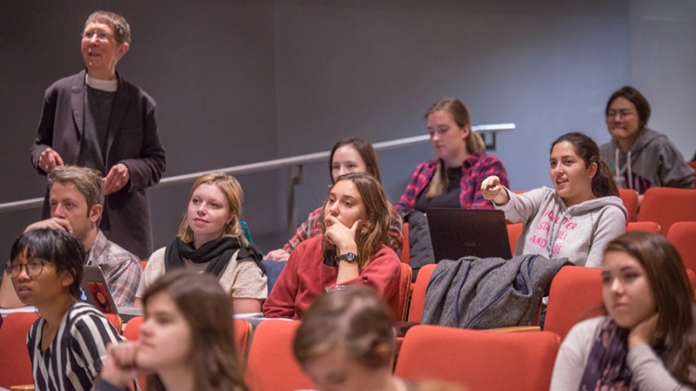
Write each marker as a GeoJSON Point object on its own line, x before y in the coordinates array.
{"type": "Point", "coordinates": [95, 291]}
{"type": "Point", "coordinates": [457, 233]}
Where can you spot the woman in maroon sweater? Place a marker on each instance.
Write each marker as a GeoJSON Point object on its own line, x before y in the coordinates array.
{"type": "Point", "coordinates": [351, 250]}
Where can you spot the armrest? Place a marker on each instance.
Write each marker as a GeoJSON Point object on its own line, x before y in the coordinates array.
{"type": "Point", "coordinates": [26, 387]}
{"type": "Point", "coordinates": [516, 329]}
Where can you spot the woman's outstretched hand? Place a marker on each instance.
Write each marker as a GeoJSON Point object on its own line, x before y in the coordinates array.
{"type": "Point", "coordinates": [491, 189]}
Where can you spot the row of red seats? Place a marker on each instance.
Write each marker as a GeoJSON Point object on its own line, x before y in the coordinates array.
{"type": "Point", "coordinates": [15, 365]}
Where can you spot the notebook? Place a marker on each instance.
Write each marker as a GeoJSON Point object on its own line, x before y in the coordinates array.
{"type": "Point", "coordinates": [457, 233]}
{"type": "Point", "coordinates": [96, 292]}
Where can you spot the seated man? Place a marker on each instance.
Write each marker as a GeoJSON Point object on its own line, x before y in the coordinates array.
{"type": "Point", "coordinates": [76, 197]}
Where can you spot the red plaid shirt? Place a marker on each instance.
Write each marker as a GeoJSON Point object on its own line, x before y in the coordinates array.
{"type": "Point", "coordinates": [475, 169]}
{"type": "Point", "coordinates": [312, 228]}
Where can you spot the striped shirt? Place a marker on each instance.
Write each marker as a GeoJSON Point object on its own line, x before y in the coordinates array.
{"type": "Point", "coordinates": [73, 360]}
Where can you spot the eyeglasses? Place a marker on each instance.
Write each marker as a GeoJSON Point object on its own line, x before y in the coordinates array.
{"type": "Point", "coordinates": [622, 114]}
{"type": "Point", "coordinates": [102, 36]}
{"type": "Point", "coordinates": [33, 269]}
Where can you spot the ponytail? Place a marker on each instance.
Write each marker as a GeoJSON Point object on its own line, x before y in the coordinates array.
{"type": "Point", "coordinates": [475, 143]}
{"type": "Point", "coordinates": [603, 184]}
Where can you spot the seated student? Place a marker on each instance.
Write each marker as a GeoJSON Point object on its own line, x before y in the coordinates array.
{"type": "Point", "coordinates": [454, 178]}
{"type": "Point", "coordinates": [210, 239]}
{"type": "Point", "coordinates": [348, 155]}
{"type": "Point", "coordinates": [351, 250]}
{"type": "Point", "coordinates": [578, 218]}
{"type": "Point", "coordinates": [346, 341]}
{"type": "Point", "coordinates": [76, 198]}
{"type": "Point", "coordinates": [68, 341]}
{"type": "Point", "coordinates": [638, 156]}
{"type": "Point", "coordinates": [186, 341]}
{"type": "Point", "coordinates": [647, 340]}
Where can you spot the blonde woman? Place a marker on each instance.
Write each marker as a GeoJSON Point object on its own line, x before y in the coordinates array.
{"type": "Point", "coordinates": [210, 240]}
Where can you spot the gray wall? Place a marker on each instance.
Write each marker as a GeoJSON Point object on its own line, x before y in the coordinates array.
{"type": "Point", "coordinates": [663, 54]}
{"type": "Point", "coordinates": [246, 81]}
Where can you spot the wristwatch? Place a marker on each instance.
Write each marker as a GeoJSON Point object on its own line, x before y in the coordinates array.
{"type": "Point", "coordinates": [348, 257]}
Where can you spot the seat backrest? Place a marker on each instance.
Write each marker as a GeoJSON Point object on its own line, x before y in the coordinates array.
{"type": "Point", "coordinates": [478, 359]}
{"type": "Point", "coordinates": [666, 206]}
{"type": "Point", "coordinates": [682, 234]}
{"type": "Point", "coordinates": [415, 311]}
{"type": "Point", "coordinates": [399, 308]}
{"type": "Point", "coordinates": [271, 364]}
{"type": "Point", "coordinates": [242, 333]}
{"type": "Point", "coordinates": [514, 232]}
{"type": "Point", "coordinates": [692, 164]}
{"type": "Point", "coordinates": [630, 201]}
{"type": "Point", "coordinates": [242, 337]}
{"type": "Point", "coordinates": [647, 226]}
{"type": "Point", "coordinates": [405, 255]}
{"type": "Point", "coordinates": [115, 321]}
{"type": "Point", "coordinates": [132, 328]}
{"type": "Point", "coordinates": [15, 365]}
{"type": "Point", "coordinates": [575, 295]}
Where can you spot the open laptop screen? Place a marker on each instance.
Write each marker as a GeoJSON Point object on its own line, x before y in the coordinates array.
{"type": "Point", "coordinates": [457, 233]}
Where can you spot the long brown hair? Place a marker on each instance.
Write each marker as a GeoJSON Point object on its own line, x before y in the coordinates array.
{"type": "Point", "coordinates": [234, 194]}
{"type": "Point", "coordinates": [208, 311]}
{"type": "Point", "coordinates": [373, 232]}
{"type": "Point", "coordinates": [474, 142]}
{"type": "Point", "coordinates": [603, 181]}
{"type": "Point", "coordinates": [366, 152]}
{"type": "Point", "coordinates": [675, 335]}
{"type": "Point", "coordinates": [352, 318]}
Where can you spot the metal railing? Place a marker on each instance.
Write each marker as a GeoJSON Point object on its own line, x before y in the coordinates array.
{"type": "Point", "coordinates": [295, 161]}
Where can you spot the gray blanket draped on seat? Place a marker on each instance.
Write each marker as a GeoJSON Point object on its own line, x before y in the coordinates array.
{"type": "Point", "coordinates": [485, 293]}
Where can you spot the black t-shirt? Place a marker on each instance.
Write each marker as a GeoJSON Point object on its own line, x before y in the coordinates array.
{"type": "Point", "coordinates": [448, 199]}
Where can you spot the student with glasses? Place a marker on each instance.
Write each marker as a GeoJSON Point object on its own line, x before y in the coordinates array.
{"type": "Point", "coordinates": [96, 119]}
{"type": "Point", "coordinates": [68, 341]}
{"type": "Point", "coordinates": [638, 156]}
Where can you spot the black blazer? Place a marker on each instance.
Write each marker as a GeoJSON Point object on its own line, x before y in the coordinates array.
{"type": "Point", "coordinates": [132, 139]}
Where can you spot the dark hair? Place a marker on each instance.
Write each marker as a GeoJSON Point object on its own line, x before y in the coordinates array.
{"type": "Point", "coordinates": [634, 96]}
{"type": "Point", "coordinates": [118, 24]}
{"type": "Point", "coordinates": [366, 151]}
{"type": "Point", "coordinates": [208, 311]}
{"type": "Point", "coordinates": [603, 184]}
{"type": "Point", "coordinates": [58, 247]}
{"type": "Point", "coordinates": [675, 335]}
{"type": "Point", "coordinates": [352, 318]}
{"type": "Point", "coordinates": [373, 232]}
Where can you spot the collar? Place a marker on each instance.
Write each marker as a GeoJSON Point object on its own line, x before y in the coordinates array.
{"type": "Point", "coordinates": [98, 247]}
{"type": "Point", "coordinates": [102, 85]}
